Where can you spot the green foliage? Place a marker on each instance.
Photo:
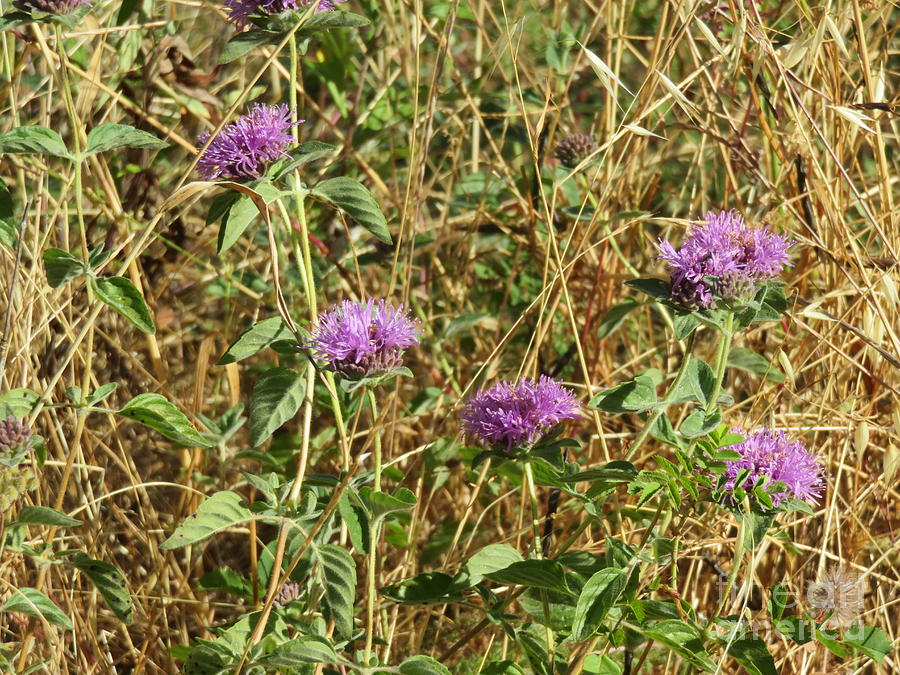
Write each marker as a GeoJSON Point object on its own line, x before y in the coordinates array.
{"type": "Point", "coordinates": [217, 513]}
{"type": "Point", "coordinates": [110, 136]}
{"type": "Point", "coordinates": [276, 398]}
{"type": "Point", "coordinates": [356, 201]}
{"type": "Point", "coordinates": [158, 413]}
{"type": "Point", "coordinates": [122, 295]}
{"type": "Point", "coordinates": [31, 602]}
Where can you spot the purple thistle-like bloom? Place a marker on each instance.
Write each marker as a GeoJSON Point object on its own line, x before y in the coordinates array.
{"type": "Point", "coordinates": [243, 148]}
{"type": "Point", "coordinates": [774, 456]}
{"type": "Point", "coordinates": [59, 7]}
{"type": "Point", "coordinates": [240, 11]}
{"type": "Point", "coordinates": [363, 339]}
{"type": "Point", "coordinates": [15, 436]}
{"type": "Point", "coordinates": [737, 255]}
{"type": "Point", "coordinates": [511, 416]}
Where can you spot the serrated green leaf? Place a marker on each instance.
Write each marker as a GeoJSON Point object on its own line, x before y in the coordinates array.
{"type": "Point", "coordinates": [597, 597]}
{"type": "Point", "coordinates": [61, 267]}
{"type": "Point", "coordinates": [276, 398]}
{"type": "Point", "coordinates": [381, 504]}
{"type": "Point", "coordinates": [124, 297]}
{"type": "Point", "coordinates": [635, 395]}
{"type": "Point", "coordinates": [219, 512]}
{"type": "Point", "coordinates": [109, 580]}
{"type": "Point", "coordinates": [547, 574]}
{"type": "Point", "coordinates": [351, 197]}
{"type": "Point", "coordinates": [655, 288]}
{"type": "Point", "coordinates": [158, 413]}
{"type": "Point", "coordinates": [305, 153]}
{"type": "Point", "coordinates": [491, 558]}
{"type": "Point", "coordinates": [307, 649]}
{"type": "Point", "coordinates": [44, 515]}
{"type": "Point", "coordinates": [33, 140]}
{"type": "Point", "coordinates": [257, 337]}
{"type": "Point", "coordinates": [109, 136]}
{"type": "Point", "coordinates": [31, 602]}
{"type": "Point", "coordinates": [339, 576]}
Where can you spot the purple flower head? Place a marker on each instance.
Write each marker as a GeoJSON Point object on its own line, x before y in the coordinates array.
{"type": "Point", "coordinates": [775, 457]}
{"type": "Point", "coordinates": [511, 416]}
{"type": "Point", "coordinates": [240, 11]}
{"type": "Point", "coordinates": [737, 255]}
{"type": "Point", "coordinates": [363, 339]}
{"type": "Point", "coordinates": [59, 7]}
{"type": "Point", "coordinates": [14, 436]}
{"type": "Point", "coordinates": [243, 148]}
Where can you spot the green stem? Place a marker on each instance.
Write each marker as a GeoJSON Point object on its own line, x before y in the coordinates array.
{"type": "Point", "coordinates": [376, 532]}
{"type": "Point", "coordinates": [724, 348]}
{"type": "Point", "coordinates": [529, 487]}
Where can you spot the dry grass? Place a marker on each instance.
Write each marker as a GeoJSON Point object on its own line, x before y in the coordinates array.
{"type": "Point", "coordinates": [787, 115]}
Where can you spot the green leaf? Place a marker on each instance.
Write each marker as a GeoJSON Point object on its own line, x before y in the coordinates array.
{"type": "Point", "coordinates": [44, 515]}
{"type": "Point", "coordinates": [870, 640]}
{"type": "Point", "coordinates": [307, 649]}
{"type": "Point", "coordinates": [422, 589]}
{"type": "Point", "coordinates": [685, 323]}
{"type": "Point", "coordinates": [464, 322]}
{"type": "Point", "coordinates": [339, 574]}
{"type": "Point", "coordinates": [356, 201]}
{"type": "Point", "coordinates": [109, 136]}
{"type": "Point", "coordinates": [34, 140]}
{"type": "Point", "coordinates": [257, 337]}
{"type": "Point", "coordinates": [122, 295]}
{"type": "Point", "coordinates": [684, 640]}
{"type": "Point", "coordinates": [491, 558]}
{"type": "Point", "coordinates": [381, 504]}
{"type": "Point", "coordinates": [244, 43]}
{"type": "Point", "coordinates": [9, 226]}
{"type": "Point", "coordinates": [753, 654]}
{"type": "Point", "coordinates": [110, 581]}
{"type": "Point", "coordinates": [356, 518]}
{"type": "Point", "coordinates": [242, 211]}
{"type": "Point", "coordinates": [61, 267]}
{"type": "Point", "coordinates": [655, 288]}
{"type": "Point", "coordinates": [597, 597]}
{"type": "Point", "coordinates": [502, 668]}
{"type": "Point", "coordinates": [19, 402]}
{"type": "Point", "coordinates": [547, 574]}
{"type": "Point", "coordinates": [615, 317]}
{"type": "Point", "coordinates": [275, 399]}
{"type": "Point", "coordinates": [221, 511]}
{"type": "Point", "coordinates": [158, 413]}
{"type": "Point", "coordinates": [31, 602]}
{"type": "Point", "coordinates": [14, 18]}
{"type": "Point", "coordinates": [313, 23]}
{"type": "Point", "coordinates": [601, 664]}
{"type": "Point", "coordinates": [751, 362]}
{"type": "Point", "coordinates": [632, 396]}
{"type": "Point", "coordinates": [305, 153]}
{"type": "Point", "coordinates": [422, 665]}
{"type": "Point", "coordinates": [101, 393]}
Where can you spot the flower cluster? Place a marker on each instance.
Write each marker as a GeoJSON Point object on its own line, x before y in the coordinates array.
{"type": "Point", "coordinates": [724, 258]}
{"type": "Point", "coordinates": [363, 339]}
{"type": "Point", "coordinates": [240, 11]}
{"type": "Point", "coordinates": [508, 416]}
{"type": "Point", "coordinates": [243, 148]}
{"type": "Point", "coordinates": [58, 7]}
{"type": "Point", "coordinates": [775, 457]}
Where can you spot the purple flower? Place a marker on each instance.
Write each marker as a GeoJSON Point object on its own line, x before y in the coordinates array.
{"type": "Point", "coordinates": [775, 457]}
{"type": "Point", "coordinates": [244, 147]}
{"type": "Point", "coordinates": [737, 255]}
{"type": "Point", "coordinates": [54, 6]}
{"type": "Point", "coordinates": [240, 11]}
{"type": "Point", "coordinates": [363, 339]}
{"type": "Point", "coordinates": [510, 416]}
{"type": "Point", "coordinates": [14, 436]}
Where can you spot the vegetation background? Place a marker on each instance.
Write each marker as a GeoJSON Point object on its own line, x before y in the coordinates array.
{"type": "Point", "coordinates": [449, 112]}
